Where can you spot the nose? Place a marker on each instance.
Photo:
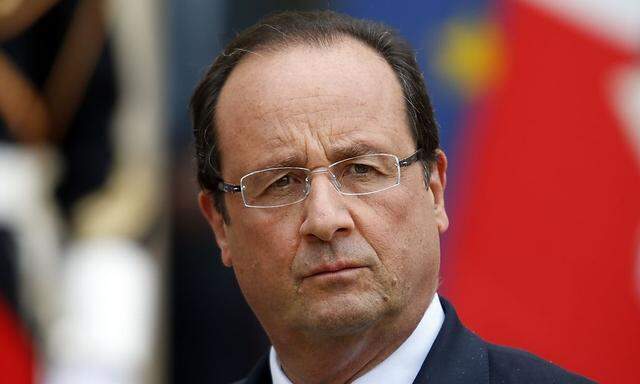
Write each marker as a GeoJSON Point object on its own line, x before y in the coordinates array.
{"type": "Point", "coordinates": [326, 215]}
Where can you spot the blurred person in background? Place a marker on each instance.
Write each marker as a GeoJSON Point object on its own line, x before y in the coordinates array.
{"type": "Point", "coordinates": [82, 189]}
{"type": "Point", "coordinates": [323, 181]}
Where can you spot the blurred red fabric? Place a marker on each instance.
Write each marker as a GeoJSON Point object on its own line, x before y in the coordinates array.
{"type": "Point", "coordinates": [543, 242]}
{"type": "Point", "coordinates": [16, 353]}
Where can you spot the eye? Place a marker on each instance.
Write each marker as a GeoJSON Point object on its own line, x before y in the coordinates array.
{"type": "Point", "coordinates": [282, 182]}
{"type": "Point", "coordinates": [360, 169]}
{"type": "Point", "coordinates": [285, 181]}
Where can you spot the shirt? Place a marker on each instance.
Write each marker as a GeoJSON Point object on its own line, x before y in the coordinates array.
{"type": "Point", "coordinates": [403, 365]}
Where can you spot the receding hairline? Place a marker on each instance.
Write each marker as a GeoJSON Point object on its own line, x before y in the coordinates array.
{"type": "Point", "coordinates": [274, 49]}
{"type": "Point", "coordinates": [269, 52]}
{"type": "Point", "coordinates": [337, 39]}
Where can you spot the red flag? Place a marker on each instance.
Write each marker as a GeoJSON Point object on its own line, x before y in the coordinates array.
{"type": "Point", "coordinates": [544, 243]}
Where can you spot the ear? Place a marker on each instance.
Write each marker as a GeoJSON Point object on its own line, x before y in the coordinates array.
{"type": "Point", "coordinates": [207, 206]}
{"type": "Point", "coordinates": [437, 184]}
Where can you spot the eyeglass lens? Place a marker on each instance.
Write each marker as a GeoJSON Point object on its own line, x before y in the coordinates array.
{"type": "Point", "coordinates": [355, 176]}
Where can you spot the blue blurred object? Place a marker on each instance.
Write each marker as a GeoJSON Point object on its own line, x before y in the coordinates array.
{"type": "Point", "coordinates": [422, 24]}
{"type": "Point", "coordinates": [193, 30]}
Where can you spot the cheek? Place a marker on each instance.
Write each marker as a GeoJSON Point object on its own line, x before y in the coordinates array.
{"type": "Point", "coordinates": [402, 230]}
{"type": "Point", "coordinates": [257, 232]}
{"type": "Point", "coordinates": [387, 218]}
{"type": "Point", "coordinates": [262, 247]}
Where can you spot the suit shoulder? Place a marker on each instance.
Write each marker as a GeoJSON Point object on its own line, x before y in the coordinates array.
{"type": "Point", "coordinates": [260, 374]}
{"type": "Point", "coordinates": [509, 365]}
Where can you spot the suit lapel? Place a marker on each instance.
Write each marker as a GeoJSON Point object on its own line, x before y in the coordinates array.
{"type": "Point", "coordinates": [260, 374]}
{"type": "Point", "coordinates": [457, 355]}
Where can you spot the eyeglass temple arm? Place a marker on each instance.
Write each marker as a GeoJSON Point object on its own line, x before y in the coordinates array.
{"type": "Point", "coordinates": [228, 188]}
{"type": "Point", "coordinates": [411, 159]}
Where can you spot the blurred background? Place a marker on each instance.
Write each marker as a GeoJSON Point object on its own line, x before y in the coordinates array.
{"type": "Point", "coordinates": [108, 273]}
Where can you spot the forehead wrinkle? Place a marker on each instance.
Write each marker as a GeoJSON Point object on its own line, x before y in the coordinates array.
{"type": "Point", "coordinates": [346, 150]}
{"type": "Point", "coordinates": [285, 159]}
{"type": "Point", "coordinates": [359, 136]}
{"type": "Point", "coordinates": [357, 145]}
{"type": "Point", "coordinates": [309, 105]}
{"type": "Point", "coordinates": [288, 129]}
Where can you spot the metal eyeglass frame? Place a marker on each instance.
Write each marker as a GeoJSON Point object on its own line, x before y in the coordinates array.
{"type": "Point", "coordinates": [234, 188]}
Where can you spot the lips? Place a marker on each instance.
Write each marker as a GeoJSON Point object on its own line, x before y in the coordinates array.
{"type": "Point", "coordinates": [325, 269]}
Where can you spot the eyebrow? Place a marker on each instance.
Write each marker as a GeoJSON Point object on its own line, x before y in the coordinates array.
{"type": "Point", "coordinates": [347, 150]}
{"type": "Point", "coordinates": [338, 152]}
{"type": "Point", "coordinates": [287, 160]}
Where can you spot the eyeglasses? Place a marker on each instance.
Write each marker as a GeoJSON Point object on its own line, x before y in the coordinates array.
{"type": "Point", "coordinates": [281, 186]}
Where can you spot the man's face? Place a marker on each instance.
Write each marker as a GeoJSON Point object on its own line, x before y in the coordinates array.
{"type": "Point", "coordinates": [331, 264]}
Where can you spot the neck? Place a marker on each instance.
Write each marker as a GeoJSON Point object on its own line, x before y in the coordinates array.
{"type": "Point", "coordinates": [341, 359]}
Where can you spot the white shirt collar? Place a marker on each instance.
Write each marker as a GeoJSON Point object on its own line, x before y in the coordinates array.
{"type": "Point", "coordinates": [403, 365]}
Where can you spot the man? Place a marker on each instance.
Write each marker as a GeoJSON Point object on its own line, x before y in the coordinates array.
{"type": "Point", "coordinates": [324, 185]}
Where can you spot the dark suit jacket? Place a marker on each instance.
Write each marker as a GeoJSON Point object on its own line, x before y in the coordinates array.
{"type": "Point", "coordinates": [458, 356]}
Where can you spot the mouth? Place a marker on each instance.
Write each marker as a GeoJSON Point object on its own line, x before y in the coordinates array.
{"type": "Point", "coordinates": [334, 269]}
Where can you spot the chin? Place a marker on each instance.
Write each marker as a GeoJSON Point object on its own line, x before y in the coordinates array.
{"type": "Point", "coordinates": [344, 314]}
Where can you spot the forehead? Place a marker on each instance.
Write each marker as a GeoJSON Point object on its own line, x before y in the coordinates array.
{"type": "Point", "coordinates": [309, 104]}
